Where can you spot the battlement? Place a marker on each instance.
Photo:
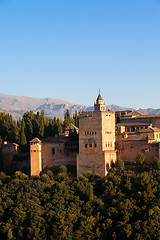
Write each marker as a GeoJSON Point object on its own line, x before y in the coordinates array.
{"type": "Point", "coordinates": [84, 113]}
{"type": "Point", "coordinates": [93, 112]}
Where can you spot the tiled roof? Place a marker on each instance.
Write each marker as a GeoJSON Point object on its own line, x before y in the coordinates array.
{"type": "Point", "coordinates": [71, 126]}
{"type": "Point", "coordinates": [99, 97]}
{"type": "Point", "coordinates": [133, 113]}
{"type": "Point", "coordinates": [35, 140]}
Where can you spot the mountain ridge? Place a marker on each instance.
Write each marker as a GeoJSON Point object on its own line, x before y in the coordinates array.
{"type": "Point", "coordinates": [53, 107]}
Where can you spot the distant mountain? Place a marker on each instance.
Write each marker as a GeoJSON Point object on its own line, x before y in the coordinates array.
{"type": "Point", "coordinates": [149, 111]}
{"type": "Point", "coordinates": [18, 105]}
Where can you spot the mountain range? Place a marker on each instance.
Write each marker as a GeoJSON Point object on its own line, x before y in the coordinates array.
{"type": "Point", "coordinates": [18, 105]}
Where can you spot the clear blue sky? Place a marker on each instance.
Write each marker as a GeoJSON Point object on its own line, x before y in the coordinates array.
{"type": "Point", "coordinates": [68, 49]}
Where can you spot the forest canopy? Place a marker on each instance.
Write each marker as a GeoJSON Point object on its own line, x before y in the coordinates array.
{"type": "Point", "coordinates": [33, 125]}
{"type": "Point", "coordinates": [123, 205]}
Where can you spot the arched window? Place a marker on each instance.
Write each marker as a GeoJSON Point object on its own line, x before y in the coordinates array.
{"type": "Point", "coordinates": [53, 151]}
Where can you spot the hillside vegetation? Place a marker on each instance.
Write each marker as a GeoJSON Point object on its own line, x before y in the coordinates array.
{"type": "Point", "coordinates": [123, 205]}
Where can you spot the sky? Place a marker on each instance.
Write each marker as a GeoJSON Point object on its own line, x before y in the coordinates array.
{"type": "Point", "coordinates": [69, 49]}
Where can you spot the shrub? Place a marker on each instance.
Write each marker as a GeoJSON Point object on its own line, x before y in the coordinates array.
{"type": "Point", "coordinates": [140, 158]}
{"type": "Point", "coordinates": [63, 169]}
{"type": "Point", "coordinates": [120, 164]}
{"type": "Point", "coordinates": [45, 178]}
{"type": "Point", "coordinates": [157, 163]}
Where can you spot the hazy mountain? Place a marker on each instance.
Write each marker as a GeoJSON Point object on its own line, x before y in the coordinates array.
{"type": "Point", "coordinates": [18, 105]}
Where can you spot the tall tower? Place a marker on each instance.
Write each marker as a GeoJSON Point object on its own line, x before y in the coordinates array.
{"type": "Point", "coordinates": [96, 139]}
{"type": "Point", "coordinates": [35, 157]}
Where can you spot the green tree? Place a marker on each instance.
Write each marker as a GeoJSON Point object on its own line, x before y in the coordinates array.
{"type": "Point", "coordinates": [120, 164]}
{"type": "Point", "coordinates": [157, 162]}
{"type": "Point", "coordinates": [75, 118]}
{"type": "Point", "coordinates": [15, 132]}
{"type": "Point", "coordinates": [23, 141]}
{"type": "Point", "coordinates": [140, 158]}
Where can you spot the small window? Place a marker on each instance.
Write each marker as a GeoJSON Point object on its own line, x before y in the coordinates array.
{"type": "Point", "coordinates": [60, 150]}
{"type": "Point", "coordinates": [34, 150]}
{"type": "Point", "coordinates": [92, 133]}
{"type": "Point", "coordinates": [53, 151]}
{"type": "Point", "coordinates": [90, 145]}
{"type": "Point", "coordinates": [85, 133]}
{"type": "Point", "coordinates": [95, 144]}
{"type": "Point", "coordinates": [95, 132]}
{"type": "Point", "coordinates": [85, 145]}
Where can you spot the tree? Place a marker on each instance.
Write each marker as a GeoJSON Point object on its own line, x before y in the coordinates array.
{"type": "Point", "coordinates": [66, 119]}
{"type": "Point", "coordinates": [120, 164]}
{"type": "Point", "coordinates": [23, 141]}
{"type": "Point", "coordinates": [28, 129]}
{"type": "Point", "coordinates": [75, 118]}
{"type": "Point", "coordinates": [157, 162]}
{"type": "Point", "coordinates": [140, 158]}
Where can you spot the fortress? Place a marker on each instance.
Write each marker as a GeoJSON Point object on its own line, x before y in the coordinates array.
{"type": "Point", "coordinates": [98, 142]}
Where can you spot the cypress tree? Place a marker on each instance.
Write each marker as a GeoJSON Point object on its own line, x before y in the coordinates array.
{"type": "Point", "coordinates": [23, 140]}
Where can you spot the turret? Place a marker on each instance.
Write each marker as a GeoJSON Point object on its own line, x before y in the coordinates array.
{"type": "Point", "coordinates": [35, 157]}
{"type": "Point", "coordinates": [99, 105]}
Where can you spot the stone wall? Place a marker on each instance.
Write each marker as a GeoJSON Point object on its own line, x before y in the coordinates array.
{"type": "Point", "coordinates": [127, 150]}
{"type": "Point", "coordinates": [56, 154]}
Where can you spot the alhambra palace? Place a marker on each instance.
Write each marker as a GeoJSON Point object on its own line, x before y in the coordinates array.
{"type": "Point", "coordinates": [100, 142]}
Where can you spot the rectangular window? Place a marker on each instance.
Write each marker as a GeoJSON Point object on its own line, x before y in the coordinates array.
{"type": "Point", "coordinates": [95, 144]}
{"type": "Point", "coordinates": [85, 145]}
{"type": "Point", "coordinates": [90, 145]}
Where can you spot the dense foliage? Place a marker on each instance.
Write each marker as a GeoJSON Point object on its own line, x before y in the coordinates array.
{"type": "Point", "coordinates": [33, 125]}
{"type": "Point", "coordinates": [124, 205]}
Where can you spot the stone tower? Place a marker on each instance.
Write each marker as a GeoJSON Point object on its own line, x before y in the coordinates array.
{"type": "Point", "coordinates": [96, 139]}
{"type": "Point", "coordinates": [35, 157]}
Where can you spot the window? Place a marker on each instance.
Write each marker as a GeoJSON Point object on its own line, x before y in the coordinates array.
{"type": "Point", "coordinates": [53, 151]}
{"type": "Point", "coordinates": [95, 144]}
{"type": "Point", "coordinates": [90, 145]}
{"type": "Point", "coordinates": [85, 145]}
{"type": "Point", "coordinates": [34, 150]}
